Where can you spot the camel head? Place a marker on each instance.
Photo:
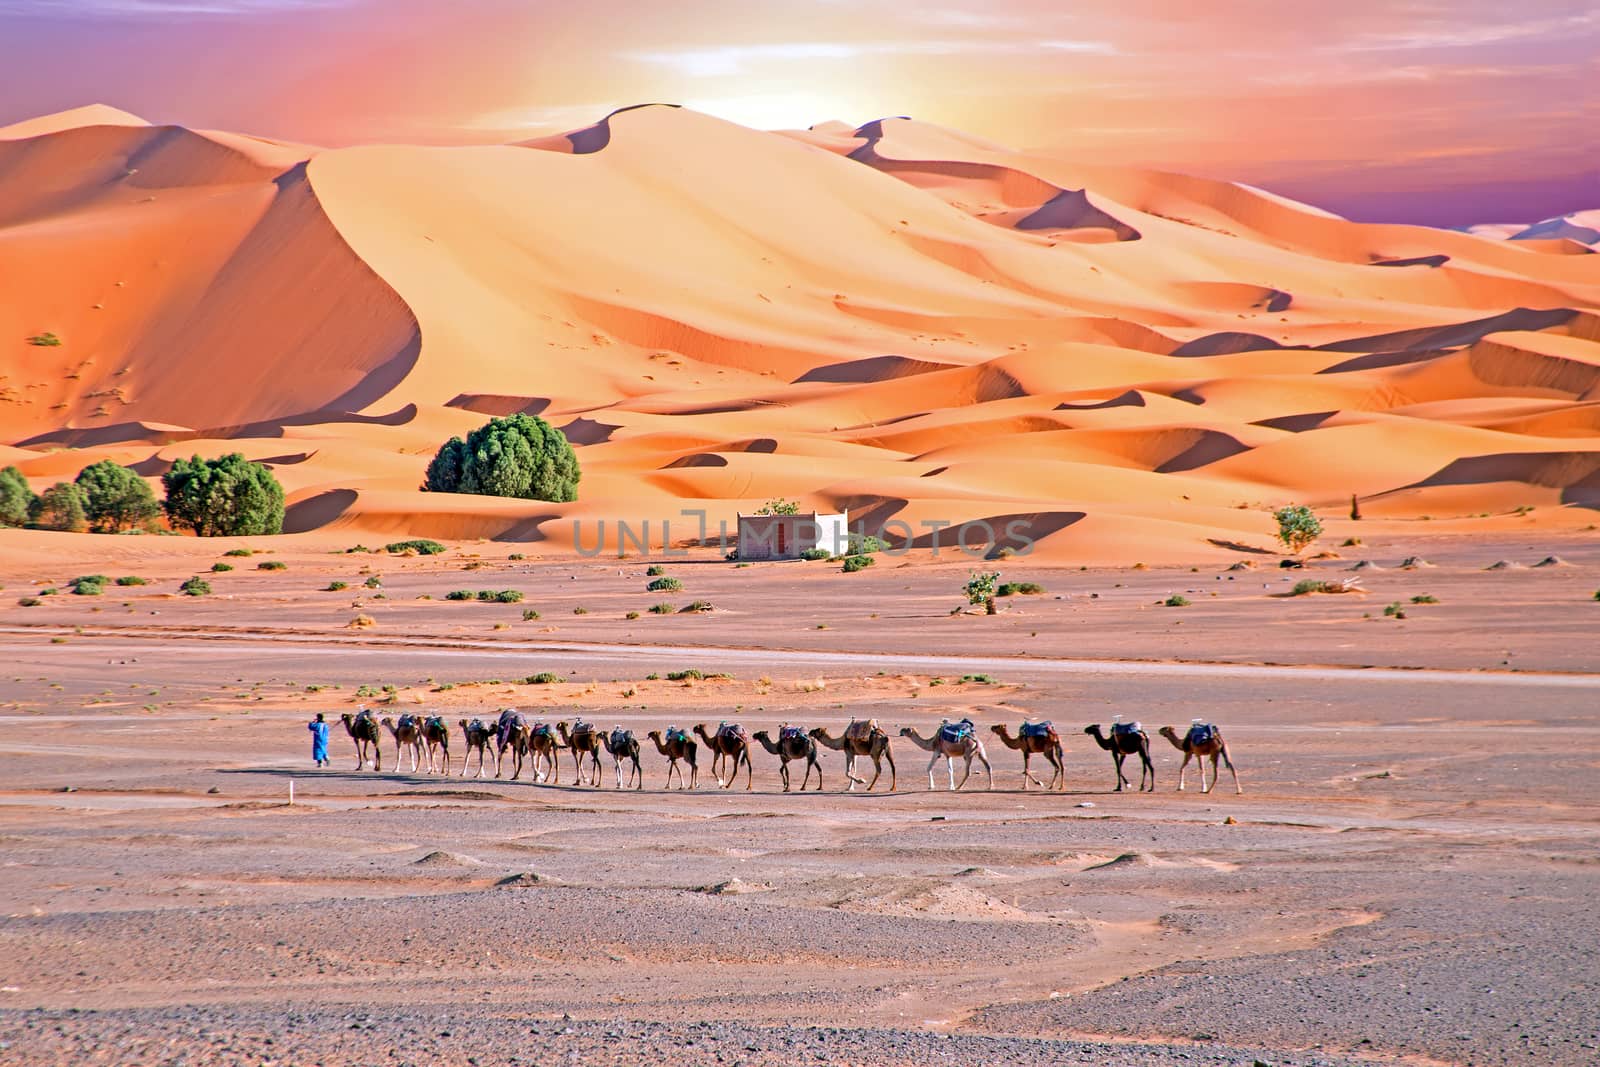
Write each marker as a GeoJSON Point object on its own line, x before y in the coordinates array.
{"type": "Point", "coordinates": [1168, 733]}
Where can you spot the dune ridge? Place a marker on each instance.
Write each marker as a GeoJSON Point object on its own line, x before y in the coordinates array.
{"type": "Point", "coordinates": [905, 320]}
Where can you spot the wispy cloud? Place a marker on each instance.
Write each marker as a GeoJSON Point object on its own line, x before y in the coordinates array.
{"type": "Point", "coordinates": [89, 9]}
{"type": "Point", "coordinates": [1461, 35]}
{"type": "Point", "coordinates": [739, 59]}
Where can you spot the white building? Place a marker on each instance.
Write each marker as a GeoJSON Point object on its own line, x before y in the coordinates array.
{"type": "Point", "coordinates": [786, 536]}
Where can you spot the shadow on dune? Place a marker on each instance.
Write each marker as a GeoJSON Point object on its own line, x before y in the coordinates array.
{"type": "Point", "coordinates": [1576, 474]}
{"type": "Point", "coordinates": [498, 404]}
{"type": "Point", "coordinates": [144, 433]}
{"type": "Point", "coordinates": [1211, 446]}
{"type": "Point", "coordinates": [1130, 399]}
{"type": "Point", "coordinates": [871, 369]}
{"type": "Point", "coordinates": [318, 511]}
{"type": "Point", "coordinates": [1454, 335]}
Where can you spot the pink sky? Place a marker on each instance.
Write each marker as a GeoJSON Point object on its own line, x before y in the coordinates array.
{"type": "Point", "coordinates": [1439, 111]}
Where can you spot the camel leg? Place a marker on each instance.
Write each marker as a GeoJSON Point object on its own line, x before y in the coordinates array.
{"type": "Point", "coordinates": [1027, 775]}
{"type": "Point", "coordinates": [1146, 767]}
{"type": "Point", "coordinates": [1237, 788]}
{"type": "Point", "coordinates": [1060, 774]}
{"type": "Point", "coordinates": [749, 771]}
{"type": "Point", "coordinates": [810, 764]}
{"type": "Point", "coordinates": [935, 759]}
{"type": "Point", "coordinates": [638, 775]}
{"type": "Point", "coordinates": [877, 772]}
{"type": "Point", "coordinates": [1122, 779]}
{"type": "Point", "coordinates": [950, 765]}
{"type": "Point", "coordinates": [988, 771]}
{"type": "Point", "coordinates": [1184, 769]}
{"type": "Point", "coordinates": [894, 775]}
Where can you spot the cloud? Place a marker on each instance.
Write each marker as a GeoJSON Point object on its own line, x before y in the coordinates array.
{"type": "Point", "coordinates": [89, 9]}
{"type": "Point", "coordinates": [1467, 36]}
{"type": "Point", "coordinates": [739, 59]}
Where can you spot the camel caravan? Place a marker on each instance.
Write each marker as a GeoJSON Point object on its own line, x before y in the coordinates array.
{"type": "Point", "coordinates": [539, 746]}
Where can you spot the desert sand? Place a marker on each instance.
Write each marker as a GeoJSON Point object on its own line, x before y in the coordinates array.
{"type": "Point", "coordinates": [899, 319]}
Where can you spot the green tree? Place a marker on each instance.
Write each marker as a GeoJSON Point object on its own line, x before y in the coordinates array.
{"type": "Point", "coordinates": [517, 456]}
{"type": "Point", "coordinates": [117, 498]}
{"type": "Point", "coordinates": [63, 506]}
{"type": "Point", "coordinates": [779, 506]}
{"type": "Point", "coordinates": [981, 588]}
{"type": "Point", "coordinates": [16, 498]}
{"type": "Point", "coordinates": [1297, 527]}
{"type": "Point", "coordinates": [227, 497]}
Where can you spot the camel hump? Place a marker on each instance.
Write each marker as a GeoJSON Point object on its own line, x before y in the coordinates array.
{"type": "Point", "coordinates": [1040, 729]}
{"type": "Point", "coordinates": [788, 732]}
{"type": "Point", "coordinates": [861, 729]}
{"type": "Point", "coordinates": [1201, 733]}
{"type": "Point", "coordinates": [1128, 728]}
{"type": "Point", "coordinates": [955, 732]}
{"type": "Point", "coordinates": [733, 730]}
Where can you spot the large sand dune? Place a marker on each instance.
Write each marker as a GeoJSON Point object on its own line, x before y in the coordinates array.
{"type": "Point", "coordinates": [900, 319]}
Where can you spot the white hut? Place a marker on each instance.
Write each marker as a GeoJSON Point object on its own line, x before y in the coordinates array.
{"type": "Point", "coordinates": [786, 536]}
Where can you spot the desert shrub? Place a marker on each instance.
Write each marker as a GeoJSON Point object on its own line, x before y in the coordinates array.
{"type": "Point", "coordinates": [29, 602]}
{"type": "Point", "coordinates": [460, 594]}
{"type": "Point", "coordinates": [695, 607]}
{"type": "Point", "coordinates": [195, 586]}
{"type": "Point", "coordinates": [16, 498]}
{"type": "Point", "coordinates": [516, 556]}
{"type": "Point", "coordinates": [354, 549]}
{"type": "Point", "coordinates": [45, 340]}
{"type": "Point", "coordinates": [580, 610]}
{"type": "Point", "coordinates": [1177, 600]}
{"type": "Point", "coordinates": [374, 582]}
{"type": "Point", "coordinates": [132, 579]}
{"type": "Point", "coordinates": [1597, 594]}
{"type": "Point", "coordinates": [63, 506]}
{"type": "Point", "coordinates": [661, 609]}
{"type": "Point", "coordinates": [516, 456]}
{"type": "Point", "coordinates": [1016, 588]}
{"type": "Point", "coordinates": [335, 587]}
{"type": "Point", "coordinates": [272, 565]}
{"type": "Point", "coordinates": [692, 674]}
{"type": "Point", "coordinates": [816, 553]}
{"type": "Point", "coordinates": [1424, 598]}
{"type": "Point", "coordinates": [1306, 586]}
{"type": "Point", "coordinates": [864, 545]}
{"type": "Point", "coordinates": [980, 589]}
{"type": "Point", "coordinates": [857, 563]}
{"type": "Point", "coordinates": [664, 585]}
{"type": "Point", "coordinates": [779, 507]}
{"type": "Point", "coordinates": [1297, 527]}
{"type": "Point", "coordinates": [655, 570]}
{"type": "Point", "coordinates": [631, 615]}
{"type": "Point", "coordinates": [49, 591]}
{"type": "Point", "coordinates": [115, 498]}
{"type": "Point", "coordinates": [223, 497]}
{"type": "Point", "coordinates": [542, 678]}
{"type": "Point", "coordinates": [362, 622]}
{"type": "Point", "coordinates": [422, 547]}
{"type": "Point", "coordinates": [530, 615]}
{"type": "Point", "coordinates": [1394, 611]}
{"type": "Point", "coordinates": [976, 679]}
{"type": "Point", "coordinates": [221, 568]}
{"type": "Point", "coordinates": [239, 552]}
{"type": "Point", "coordinates": [503, 596]}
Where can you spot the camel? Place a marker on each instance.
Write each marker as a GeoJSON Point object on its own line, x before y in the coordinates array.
{"type": "Point", "coordinates": [1126, 740]}
{"type": "Point", "coordinates": [793, 743]}
{"type": "Point", "coordinates": [678, 745]}
{"type": "Point", "coordinates": [511, 732]}
{"type": "Point", "coordinates": [620, 745]}
{"type": "Point", "coordinates": [861, 738]}
{"type": "Point", "coordinates": [363, 730]}
{"type": "Point", "coordinates": [584, 740]}
{"type": "Point", "coordinates": [1041, 739]}
{"type": "Point", "coordinates": [951, 740]}
{"type": "Point", "coordinates": [1202, 739]}
{"type": "Point", "coordinates": [730, 742]}
{"type": "Point", "coordinates": [437, 737]}
{"type": "Point", "coordinates": [477, 736]}
{"type": "Point", "coordinates": [545, 747]}
{"type": "Point", "coordinates": [407, 738]}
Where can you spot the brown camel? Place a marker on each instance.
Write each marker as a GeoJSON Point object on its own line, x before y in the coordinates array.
{"type": "Point", "coordinates": [546, 748]}
{"type": "Point", "coordinates": [793, 743]}
{"type": "Point", "coordinates": [584, 740]}
{"type": "Point", "coordinates": [731, 743]}
{"type": "Point", "coordinates": [436, 735]}
{"type": "Point", "coordinates": [407, 738]}
{"type": "Point", "coordinates": [861, 738]}
{"type": "Point", "coordinates": [622, 745]}
{"type": "Point", "coordinates": [478, 735]}
{"type": "Point", "coordinates": [1202, 739]}
{"type": "Point", "coordinates": [951, 740]}
{"type": "Point", "coordinates": [1036, 739]}
{"type": "Point", "coordinates": [363, 730]}
{"type": "Point", "coordinates": [511, 731]}
{"type": "Point", "coordinates": [677, 745]}
{"type": "Point", "coordinates": [1126, 740]}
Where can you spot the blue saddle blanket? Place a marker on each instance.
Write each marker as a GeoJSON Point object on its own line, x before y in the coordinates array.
{"type": "Point", "coordinates": [956, 732]}
{"type": "Point", "coordinates": [1202, 733]}
{"type": "Point", "coordinates": [1127, 727]}
{"type": "Point", "coordinates": [1038, 729]}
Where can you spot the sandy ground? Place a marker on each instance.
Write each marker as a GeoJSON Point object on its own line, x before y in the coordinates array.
{"type": "Point", "coordinates": [1407, 877]}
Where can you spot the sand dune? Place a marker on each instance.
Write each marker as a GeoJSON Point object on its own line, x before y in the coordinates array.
{"type": "Point", "coordinates": [902, 319]}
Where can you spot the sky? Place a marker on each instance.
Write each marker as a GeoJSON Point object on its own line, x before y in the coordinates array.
{"type": "Point", "coordinates": [1446, 112]}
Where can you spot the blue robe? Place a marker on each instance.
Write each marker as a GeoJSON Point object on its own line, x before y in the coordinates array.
{"type": "Point", "coordinates": [319, 741]}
